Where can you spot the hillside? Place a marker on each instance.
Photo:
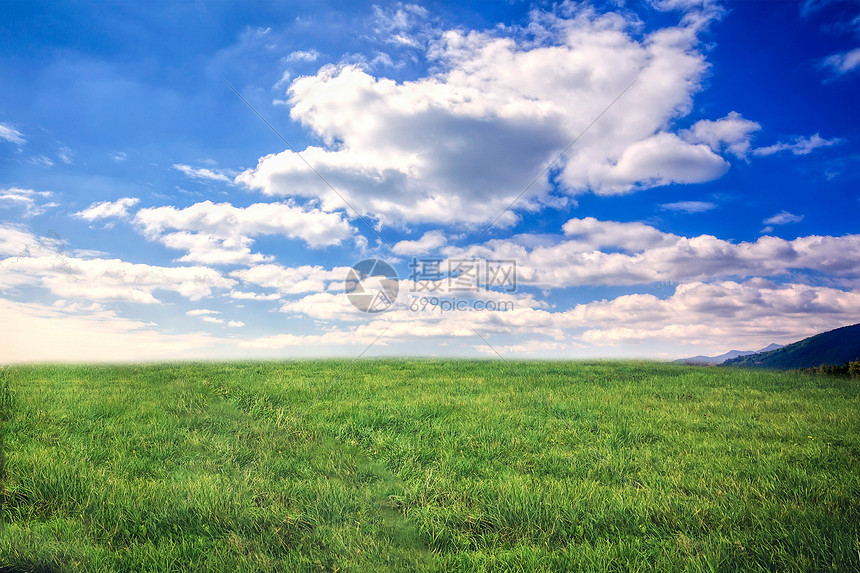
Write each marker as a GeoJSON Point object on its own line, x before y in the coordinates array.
{"type": "Point", "coordinates": [832, 347]}
{"type": "Point", "coordinates": [708, 360]}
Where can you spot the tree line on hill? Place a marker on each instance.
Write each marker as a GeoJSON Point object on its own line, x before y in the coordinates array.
{"type": "Point", "coordinates": [851, 369]}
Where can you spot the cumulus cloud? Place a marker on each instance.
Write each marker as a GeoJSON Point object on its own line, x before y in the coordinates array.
{"type": "Point", "coordinates": [612, 253]}
{"type": "Point", "coordinates": [593, 233]}
{"type": "Point", "coordinates": [100, 279]}
{"type": "Point", "coordinates": [12, 135]}
{"type": "Point", "coordinates": [15, 240]}
{"type": "Point", "coordinates": [211, 249]}
{"type": "Point", "coordinates": [704, 311]}
{"type": "Point", "coordinates": [799, 146]}
{"type": "Point", "coordinates": [753, 313]}
{"type": "Point", "coordinates": [428, 242]}
{"type": "Point", "coordinates": [730, 134]}
{"type": "Point", "coordinates": [108, 209]}
{"type": "Point", "coordinates": [220, 233]}
{"type": "Point", "coordinates": [288, 280]}
{"type": "Point", "coordinates": [660, 160]}
{"type": "Point", "coordinates": [458, 145]}
{"type": "Point", "coordinates": [32, 202]}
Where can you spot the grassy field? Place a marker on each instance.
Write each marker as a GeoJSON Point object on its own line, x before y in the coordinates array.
{"type": "Point", "coordinates": [393, 465]}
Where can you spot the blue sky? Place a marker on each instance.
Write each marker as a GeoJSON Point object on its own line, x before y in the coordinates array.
{"type": "Point", "coordinates": [709, 201]}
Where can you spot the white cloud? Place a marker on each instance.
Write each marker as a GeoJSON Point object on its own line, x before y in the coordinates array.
{"type": "Point", "coordinates": [281, 83]}
{"type": "Point", "coordinates": [649, 256]}
{"type": "Point", "coordinates": [594, 234]}
{"type": "Point", "coordinates": [15, 240]}
{"type": "Point", "coordinates": [419, 305]}
{"type": "Point", "coordinates": [242, 295]}
{"type": "Point", "coordinates": [683, 5]}
{"type": "Point", "coordinates": [288, 280]}
{"type": "Point", "coordinates": [800, 145]}
{"type": "Point", "coordinates": [398, 328]}
{"type": "Point", "coordinates": [429, 241]}
{"type": "Point", "coordinates": [41, 160]}
{"type": "Point", "coordinates": [209, 315]}
{"type": "Point", "coordinates": [106, 279]}
{"type": "Point", "coordinates": [202, 312]}
{"type": "Point", "coordinates": [88, 253]}
{"type": "Point", "coordinates": [843, 63]}
{"type": "Point", "coordinates": [689, 206]}
{"type": "Point", "coordinates": [782, 218]}
{"type": "Point", "coordinates": [12, 135]}
{"type": "Point", "coordinates": [27, 199]}
{"type": "Point", "coordinates": [528, 347]}
{"type": "Point", "coordinates": [32, 332]}
{"type": "Point", "coordinates": [710, 315]}
{"type": "Point", "coordinates": [403, 25]}
{"type": "Point", "coordinates": [223, 234]}
{"type": "Point", "coordinates": [458, 145]}
{"type": "Point", "coordinates": [119, 156]}
{"type": "Point", "coordinates": [66, 155]}
{"type": "Point", "coordinates": [78, 306]}
{"type": "Point", "coordinates": [279, 341]}
{"type": "Point", "coordinates": [750, 314]}
{"type": "Point", "coordinates": [302, 56]}
{"type": "Point", "coordinates": [660, 160]}
{"type": "Point", "coordinates": [731, 134]}
{"type": "Point", "coordinates": [108, 209]}
{"type": "Point", "coordinates": [205, 174]}
{"type": "Point", "coordinates": [211, 249]}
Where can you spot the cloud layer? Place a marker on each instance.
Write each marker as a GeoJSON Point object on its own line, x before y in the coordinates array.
{"type": "Point", "coordinates": [612, 253]}
{"type": "Point", "coordinates": [458, 145]}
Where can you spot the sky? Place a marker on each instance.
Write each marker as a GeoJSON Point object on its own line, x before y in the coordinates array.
{"type": "Point", "coordinates": [197, 180]}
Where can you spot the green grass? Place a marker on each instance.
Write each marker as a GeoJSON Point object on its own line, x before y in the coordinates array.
{"type": "Point", "coordinates": [397, 465]}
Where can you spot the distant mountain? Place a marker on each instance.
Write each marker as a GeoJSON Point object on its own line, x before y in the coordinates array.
{"type": "Point", "coordinates": [769, 347]}
{"type": "Point", "coordinates": [708, 360]}
{"type": "Point", "coordinates": [833, 347]}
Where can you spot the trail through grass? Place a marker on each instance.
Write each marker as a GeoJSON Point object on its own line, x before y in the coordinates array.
{"type": "Point", "coordinates": [427, 465]}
